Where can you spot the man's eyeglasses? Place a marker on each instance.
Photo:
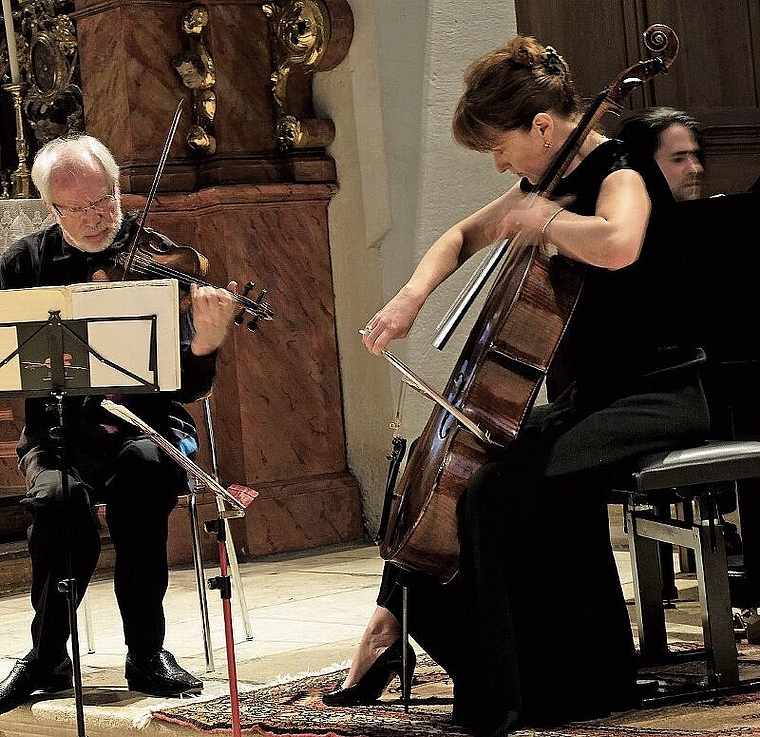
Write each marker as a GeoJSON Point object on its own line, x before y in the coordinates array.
{"type": "Point", "coordinates": [101, 206]}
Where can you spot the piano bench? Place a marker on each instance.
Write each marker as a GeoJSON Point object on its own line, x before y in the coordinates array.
{"type": "Point", "coordinates": [697, 474]}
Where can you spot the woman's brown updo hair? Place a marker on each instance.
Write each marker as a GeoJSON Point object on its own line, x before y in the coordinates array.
{"type": "Point", "coordinates": [508, 87]}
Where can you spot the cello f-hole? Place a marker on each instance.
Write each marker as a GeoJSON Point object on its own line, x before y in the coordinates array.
{"type": "Point", "coordinates": [445, 426]}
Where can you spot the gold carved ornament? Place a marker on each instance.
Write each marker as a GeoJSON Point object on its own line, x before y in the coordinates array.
{"type": "Point", "coordinates": [53, 105]}
{"type": "Point", "coordinates": [196, 69]}
{"type": "Point", "coordinates": [48, 96]}
{"type": "Point", "coordinates": [300, 32]}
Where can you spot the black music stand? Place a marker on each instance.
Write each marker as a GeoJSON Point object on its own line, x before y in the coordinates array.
{"type": "Point", "coordinates": [53, 359]}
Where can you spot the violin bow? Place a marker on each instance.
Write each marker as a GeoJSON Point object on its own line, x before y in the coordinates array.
{"type": "Point", "coordinates": [153, 189]}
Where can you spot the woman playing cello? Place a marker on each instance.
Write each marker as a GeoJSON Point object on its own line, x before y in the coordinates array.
{"type": "Point", "coordinates": [533, 629]}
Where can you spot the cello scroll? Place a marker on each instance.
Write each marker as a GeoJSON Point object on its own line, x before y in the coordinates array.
{"type": "Point", "coordinates": [661, 40]}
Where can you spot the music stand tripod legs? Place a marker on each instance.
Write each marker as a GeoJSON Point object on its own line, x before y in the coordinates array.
{"type": "Point", "coordinates": [68, 586]}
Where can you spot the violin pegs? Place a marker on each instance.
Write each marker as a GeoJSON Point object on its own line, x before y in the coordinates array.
{"type": "Point", "coordinates": [260, 298]}
{"type": "Point", "coordinates": [253, 324]}
{"type": "Point", "coordinates": [239, 317]}
{"type": "Point", "coordinates": [247, 288]}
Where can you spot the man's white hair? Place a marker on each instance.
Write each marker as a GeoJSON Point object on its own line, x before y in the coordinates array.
{"type": "Point", "coordinates": [62, 154]}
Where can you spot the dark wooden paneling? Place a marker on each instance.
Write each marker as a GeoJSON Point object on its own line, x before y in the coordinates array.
{"type": "Point", "coordinates": [595, 49]}
{"type": "Point", "coordinates": [717, 68]}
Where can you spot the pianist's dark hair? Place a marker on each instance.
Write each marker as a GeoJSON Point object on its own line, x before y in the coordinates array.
{"type": "Point", "coordinates": [642, 131]}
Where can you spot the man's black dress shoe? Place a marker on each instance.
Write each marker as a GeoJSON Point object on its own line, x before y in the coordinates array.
{"type": "Point", "coordinates": [160, 675]}
{"type": "Point", "coordinates": [27, 676]}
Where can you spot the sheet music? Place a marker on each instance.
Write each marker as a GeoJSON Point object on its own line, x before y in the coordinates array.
{"type": "Point", "coordinates": [85, 310]}
{"type": "Point", "coordinates": [99, 299]}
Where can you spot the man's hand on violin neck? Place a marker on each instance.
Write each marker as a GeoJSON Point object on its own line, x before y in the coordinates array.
{"type": "Point", "coordinates": [214, 311]}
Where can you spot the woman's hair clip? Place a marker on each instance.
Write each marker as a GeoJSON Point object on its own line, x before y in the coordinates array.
{"type": "Point", "coordinates": [552, 62]}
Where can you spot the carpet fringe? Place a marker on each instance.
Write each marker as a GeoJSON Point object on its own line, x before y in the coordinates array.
{"type": "Point", "coordinates": [279, 680]}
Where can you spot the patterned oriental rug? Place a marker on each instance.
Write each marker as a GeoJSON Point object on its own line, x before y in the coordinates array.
{"type": "Point", "coordinates": [295, 709]}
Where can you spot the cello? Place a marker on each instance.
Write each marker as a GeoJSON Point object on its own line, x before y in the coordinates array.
{"type": "Point", "coordinates": [503, 364]}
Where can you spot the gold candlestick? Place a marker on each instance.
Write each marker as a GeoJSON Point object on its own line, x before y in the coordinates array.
{"type": "Point", "coordinates": [20, 180]}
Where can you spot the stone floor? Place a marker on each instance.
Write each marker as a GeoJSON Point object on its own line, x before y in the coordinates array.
{"type": "Point", "coordinates": [306, 613]}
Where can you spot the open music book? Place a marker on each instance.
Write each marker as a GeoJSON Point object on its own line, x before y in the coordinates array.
{"type": "Point", "coordinates": [116, 335]}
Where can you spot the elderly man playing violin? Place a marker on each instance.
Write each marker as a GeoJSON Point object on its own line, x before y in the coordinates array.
{"type": "Point", "coordinates": [78, 180]}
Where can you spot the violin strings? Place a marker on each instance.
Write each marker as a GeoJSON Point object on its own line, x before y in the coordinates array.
{"type": "Point", "coordinates": [148, 266]}
{"type": "Point", "coordinates": [151, 267]}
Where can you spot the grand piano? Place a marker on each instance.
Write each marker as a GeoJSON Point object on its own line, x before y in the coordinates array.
{"type": "Point", "coordinates": [717, 278]}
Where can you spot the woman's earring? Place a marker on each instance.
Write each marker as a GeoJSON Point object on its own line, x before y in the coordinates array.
{"type": "Point", "coordinates": [547, 144]}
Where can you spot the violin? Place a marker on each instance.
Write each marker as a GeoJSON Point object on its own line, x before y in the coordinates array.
{"type": "Point", "coordinates": [152, 256]}
{"type": "Point", "coordinates": [157, 257]}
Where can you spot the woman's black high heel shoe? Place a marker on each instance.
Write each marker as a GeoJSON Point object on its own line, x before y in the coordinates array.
{"type": "Point", "coordinates": [371, 685]}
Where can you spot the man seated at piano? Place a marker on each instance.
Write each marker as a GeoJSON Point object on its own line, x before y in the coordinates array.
{"type": "Point", "coordinates": [671, 138]}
